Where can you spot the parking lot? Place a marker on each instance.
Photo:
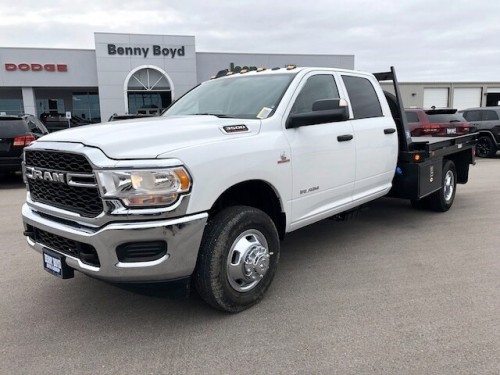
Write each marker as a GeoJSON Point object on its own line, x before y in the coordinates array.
{"type": "Point", "coordinates": [393, 291]}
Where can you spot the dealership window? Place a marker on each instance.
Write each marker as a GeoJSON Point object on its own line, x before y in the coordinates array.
{"type": "Point", "coordinates": [86, 106]}
{"type": "Point", "coordinates": [148, 91]}
{"type": "Point", "coordinates": [11, 106]}
{"type": "Point", "coordinates": [52, 107]}
{"type": "Point", "coordinates": [11, 101]}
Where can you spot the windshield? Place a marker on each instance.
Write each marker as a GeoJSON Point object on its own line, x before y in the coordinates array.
{"type": "Point", "coordinates": [252, 96]}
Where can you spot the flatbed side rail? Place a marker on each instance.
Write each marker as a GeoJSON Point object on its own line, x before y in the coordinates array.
{"type": "Point", "coordinates": [447, 145]}
{"type": "Point", "coordinates": [438, 147]}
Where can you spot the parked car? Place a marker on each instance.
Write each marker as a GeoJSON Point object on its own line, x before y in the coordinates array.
{"type": "Point", "coordinates": [16, 132]}
{"type": "Point", "coordinates": [56, 122]}
{"type": "Point", "coordinates": [486, 120]}
{"type": "Point", "coordinates": [436, 122]}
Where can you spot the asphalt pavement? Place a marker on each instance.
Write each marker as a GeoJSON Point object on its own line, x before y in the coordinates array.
{"type": "Point", "coordinates": [393, 291]}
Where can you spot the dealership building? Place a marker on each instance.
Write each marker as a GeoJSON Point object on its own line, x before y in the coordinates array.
{"type": "Point", "coordinates": [126, 73]}
{"type": "Point", "coordinates": [131, 73]}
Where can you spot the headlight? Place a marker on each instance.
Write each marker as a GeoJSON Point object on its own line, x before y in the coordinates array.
{"type": "Point", "coordinates": [145, 188]}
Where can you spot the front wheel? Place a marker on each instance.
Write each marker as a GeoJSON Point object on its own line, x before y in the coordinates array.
{"type": "Point", "coordinates": [238, 258]}
{"type": "Point", "coordinates": [442, 199]}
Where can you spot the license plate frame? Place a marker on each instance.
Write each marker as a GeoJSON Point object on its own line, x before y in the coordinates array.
{"type": "Point", "coordinates": [55, 264]}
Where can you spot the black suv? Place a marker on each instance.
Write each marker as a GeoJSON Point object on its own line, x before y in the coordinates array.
{"type": "Point", "coordinates": [16, 132]}
{"type": "Point", "coordinates": [486, 120]}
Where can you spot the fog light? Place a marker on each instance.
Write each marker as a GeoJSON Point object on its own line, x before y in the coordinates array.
{"type": "Point", "coordinates": [141, 251]}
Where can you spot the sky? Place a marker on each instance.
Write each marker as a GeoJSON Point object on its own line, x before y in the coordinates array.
{"type": "Point", "coordinates": [426, 40]}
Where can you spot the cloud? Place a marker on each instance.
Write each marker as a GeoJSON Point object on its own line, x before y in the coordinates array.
{"type": "Point", "coordinates": [424, 39]}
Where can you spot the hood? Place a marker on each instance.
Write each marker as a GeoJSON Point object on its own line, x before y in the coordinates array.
{"type": "Point", "coordinates": [149, 137]}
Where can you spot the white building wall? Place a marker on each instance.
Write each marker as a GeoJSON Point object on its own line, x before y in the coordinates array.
{"type": "Point", "coordinates": [113, 68]}
{"type": "Point", "coordinates": [81, 70]}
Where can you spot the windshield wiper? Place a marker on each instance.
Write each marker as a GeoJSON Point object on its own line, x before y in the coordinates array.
{"type": "Point", "coordinates": [220, 115]}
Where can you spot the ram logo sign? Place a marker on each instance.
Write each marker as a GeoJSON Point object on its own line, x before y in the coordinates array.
{"type": "Point", "coordinates": [37, 174]}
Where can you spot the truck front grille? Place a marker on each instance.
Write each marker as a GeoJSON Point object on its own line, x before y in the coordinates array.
{"type": "Point", "coordinates": [84, 200]}
{"type": "Point", "coordinates": [60, 161]}
{"type": "Point", "coordinates": [85, 252]}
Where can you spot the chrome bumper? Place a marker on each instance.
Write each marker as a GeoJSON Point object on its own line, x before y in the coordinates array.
{"type": "Point", "coordinates": [183, 236]}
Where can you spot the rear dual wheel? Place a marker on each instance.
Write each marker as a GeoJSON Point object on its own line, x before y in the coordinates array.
{"type": "Point", "coordinates": [441, 200]}
{"type": "Point", "coordinates": [238, 258]}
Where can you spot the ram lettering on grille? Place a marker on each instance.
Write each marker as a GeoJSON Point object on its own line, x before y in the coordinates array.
{"type": "Point", "coordinates": [45, 175]}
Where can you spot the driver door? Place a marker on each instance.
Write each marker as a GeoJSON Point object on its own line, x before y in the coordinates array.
{"type": "Point", "coordinates": [322, 156]}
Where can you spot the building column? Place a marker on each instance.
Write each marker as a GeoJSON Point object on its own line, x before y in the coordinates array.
{"type": "Point", "coordinates": [29, 100]}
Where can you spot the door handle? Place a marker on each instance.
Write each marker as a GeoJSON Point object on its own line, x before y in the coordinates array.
{"type": "Point", "coordinates": [389, 131]}
{"type": "Point", "coordinates": [345, 137]}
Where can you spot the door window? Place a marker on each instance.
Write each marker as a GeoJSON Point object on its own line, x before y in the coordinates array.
{"type": "Point", "coordinates": [411, 117]}
{"type": "Point", "coordinates": [472, 115]}
{"type": "Point", "coordinates": [321, 86]}
{"type": "Point", "coordinates": [490, 116]}
{"type": "Point", "coordinates": [364, 99]}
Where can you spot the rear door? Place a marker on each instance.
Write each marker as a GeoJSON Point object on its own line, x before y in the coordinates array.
{"type": "Point", "coordinates": [375, 137]}
{"type": "Point", "coordinates": [475, 118]}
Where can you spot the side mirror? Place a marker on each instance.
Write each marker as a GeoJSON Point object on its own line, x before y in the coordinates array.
{"type": "Point", "coordinates": [323, 111]}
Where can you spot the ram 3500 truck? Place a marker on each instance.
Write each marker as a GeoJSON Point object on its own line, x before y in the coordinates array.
{"type": "Point", "coordinates": [204, 193]}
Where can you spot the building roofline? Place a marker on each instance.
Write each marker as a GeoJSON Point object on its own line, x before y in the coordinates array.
{"type": "Point", "coordinates": [49, 48]}
{"type": "Point", "coordinates": [143, 34]}
{"type": "Point", "coordinates": [272, 54]}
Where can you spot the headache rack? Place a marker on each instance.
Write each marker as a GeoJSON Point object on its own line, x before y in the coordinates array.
{"type": "Point", "coordinates": [397, 109]}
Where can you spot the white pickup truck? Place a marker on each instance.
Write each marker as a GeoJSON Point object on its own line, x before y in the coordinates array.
{"type": "Point", "coordinates": [203, 194]}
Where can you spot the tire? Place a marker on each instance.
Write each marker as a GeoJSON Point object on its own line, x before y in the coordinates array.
{"type": "Point", "coordinates": [238, 258]}
{"type": "Point", "coordinates": [442, 200]}
{"type": "Point", "coordinates": [485, 147]}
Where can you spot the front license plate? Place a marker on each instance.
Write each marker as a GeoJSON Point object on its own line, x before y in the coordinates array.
{"type": "Point", "coordinates": [451, 131]}
{"type": "Point", "coordinates": [56, 265]}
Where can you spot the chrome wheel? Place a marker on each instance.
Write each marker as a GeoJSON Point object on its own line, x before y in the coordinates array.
{"type": "Point", "coordinates": [238, 258]}
{"type": "Point", "coordinates": [248, 260]}
{"type": "Point", "coordinates": [442, 200]}
{"type": "Point", "coordinates": [449, 185]}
